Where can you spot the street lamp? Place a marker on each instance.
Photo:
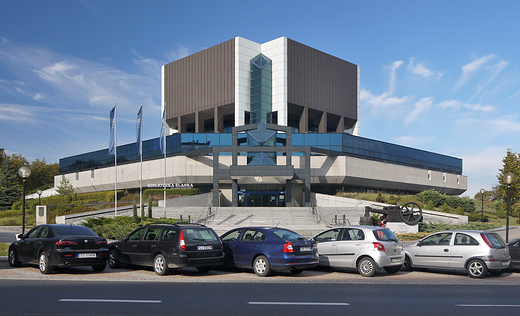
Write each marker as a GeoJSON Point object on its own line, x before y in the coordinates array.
{"type": "Point", "coordinates": [39, 196]}
{"type": "Point", "coordinates": [24, 172]}
{"type": "Point", "coordinates": [482, 195]}
{"type": "Point", "coordinates": [509, 178]}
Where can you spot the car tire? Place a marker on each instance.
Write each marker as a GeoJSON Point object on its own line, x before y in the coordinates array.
{"type": "Point", "coordinates": [43, 263]}
{"type": "Point", "coordinates": [99, 267]}
{"type": "Point", "coordinates": [367, 267]}
{"type": "Point", "coordinates": [477, 269]}
{"type": "Point", "coordinates": [261, 266]}
{"type": "Point", "coordinates": [160, 266]}
{"type": "Point", "coordinates": [407, 265]}
{"type": "Point", "coordinates": [392, 270]}
{"type": "Point", "coordinates": [113, 259]}
{"type": "Point", "coordinates": [13, 259]}
{"type": "Point", "coordinates": [203, 269]}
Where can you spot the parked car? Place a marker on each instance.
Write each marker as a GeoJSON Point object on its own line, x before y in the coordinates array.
{"type": "Point", "coordinates": [168, 246]}
{"type": "Point", "coordinates": [267, 249]}
{"type": "Point", "coordinates": [477, 252]}
{"type": "Point", "coordinates": [514, 252]}
{"type": "Point", "coordinates": [365, 248]}
{"type": "Point", "coordinates": [52, 246]}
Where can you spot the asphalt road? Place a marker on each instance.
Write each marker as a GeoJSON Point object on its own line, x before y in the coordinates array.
{"type": "Point", "coordinates": [151, 298]}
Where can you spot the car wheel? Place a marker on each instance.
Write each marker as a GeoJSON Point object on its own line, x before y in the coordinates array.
{"type": "Point", "coordinates": [43, 263]}
{"type": "Point", "coordinates": [99, 267]}
{"type": "Point", "coordinates": [13, 258]}
{"type": "Point", "coordinates": [367, 267]}
{"type": "Point", "coordinates": [203, 269]}
{"type": "Point", "coordinates": [160, 266]}
{"type": "Point", "coordinates": [392, 270]}
{"type": "Point", "coordinates": [407, 266]}
{"type": "Point", "coordinates": [296, 271]}
{"type": "Point", "coordinates": [497, 272]}
{"type": "Point", "coordinates": [477, 269]}
{"type": "Point", "coordinates": [261, 266]}
{"type": "Point", "coordinates": [113, 259]}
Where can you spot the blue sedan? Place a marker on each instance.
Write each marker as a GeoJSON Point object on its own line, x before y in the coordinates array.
{"type": "Point", "coordinates": [267, 249]}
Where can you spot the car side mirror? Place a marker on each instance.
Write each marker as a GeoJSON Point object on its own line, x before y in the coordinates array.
{"type": "Point", "coordinates": [19, 237]}
{"type": "Point", "coordinates": [419, 243]}
{"type": "Point", "coordinates": [125, 239]}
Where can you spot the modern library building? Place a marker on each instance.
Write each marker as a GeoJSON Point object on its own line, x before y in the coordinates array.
{"type": "Point", "coordinates": [264, 125]}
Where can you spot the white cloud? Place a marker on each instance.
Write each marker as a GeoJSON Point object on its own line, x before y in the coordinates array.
{"type": "Point", "coordinates": [419, 69]}
{"type": "Point", "coordinates": [469, 70]}
{"type": "Point", "coordinates": [458, 104]}
{"type": "Point", "coordinates": [178, 53]}
{"type": "Point", "coordinates": [421, 106]}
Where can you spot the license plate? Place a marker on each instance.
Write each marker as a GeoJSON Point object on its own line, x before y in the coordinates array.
{"type": "Point", "coordinates": [505, 263]}
{"type": "Point", "coordinates": [305, 249]}
{"type": "Point", "coordinates": [394, 260]}
{"type": "Point", "coordinates": [204, 247]}
{"type": "Point", "coordinates": [86, 255]}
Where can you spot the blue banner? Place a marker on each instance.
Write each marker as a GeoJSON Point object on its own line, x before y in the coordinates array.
{"type": "Point", "coordinates": [139, 130]}
{"type": "Point", "coordinates": [112, 144]}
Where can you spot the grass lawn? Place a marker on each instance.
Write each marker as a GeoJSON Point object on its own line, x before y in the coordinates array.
{"type": "Point", "coordinates": [3, 249]}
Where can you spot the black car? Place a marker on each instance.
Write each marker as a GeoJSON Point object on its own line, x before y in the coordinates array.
{"type": "Point", "coordinates": [167, 246]}
{"type": "Point", "coordinates": [514, 252]}
{"type": "Point", "coordinates": [59, 246]}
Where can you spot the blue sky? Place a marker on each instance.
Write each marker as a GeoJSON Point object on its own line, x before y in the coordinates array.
{"type": "Point", "coordinates": [442, 76]}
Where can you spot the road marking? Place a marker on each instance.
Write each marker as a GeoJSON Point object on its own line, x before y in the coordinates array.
{"type": "Point", "coordinates": [299, 303]}
{"type": "Point", "coordinates": [109, 301]}
{"type": "Point", "coordinates": [487, 305]}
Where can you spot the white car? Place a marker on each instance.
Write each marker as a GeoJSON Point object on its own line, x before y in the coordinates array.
{"type": "Point", "coordinates": [477, 252]}
{"type": "Point", "coordinates": [365, 248]}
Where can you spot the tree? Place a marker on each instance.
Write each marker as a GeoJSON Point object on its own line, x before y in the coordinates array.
{"type": "Point", "coordinates": [65, 187]}
{"type": "Point", "coordinates": [511, 164]}
{"type": "Point", "coordinates": [10, 187]}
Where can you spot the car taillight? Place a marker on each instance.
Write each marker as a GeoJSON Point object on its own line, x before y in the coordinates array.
{"type": "Point", "coordinates": [288, 247]}
{"type": "Point", "coordinates": [485, 240]}
{"type": "Point", "coordinates": [379, 246]}
{"type": "Point", "coordinates": [182, 244]}
{"type": "Point", "coordinates": [101, 242]}
{"type": "Point", "coordinates": [65, 243]}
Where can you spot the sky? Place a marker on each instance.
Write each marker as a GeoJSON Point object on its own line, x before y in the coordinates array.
{"type": "Point", "coordinates": [441, 76]}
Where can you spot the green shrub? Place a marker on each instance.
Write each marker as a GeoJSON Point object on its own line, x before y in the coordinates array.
{"type": "Point", "coordinates": [431, 195]}
{"type": "Point", "coordinates": [430, 206]}
{"type": "Point", "coordinates": [459, 211]}
{"type": "Point", "coordinates": [476, 217]}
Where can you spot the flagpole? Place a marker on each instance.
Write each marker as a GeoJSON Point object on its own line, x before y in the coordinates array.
{"type": "Point", "coordinates": [164, 122]}
{"type": "Point", "coordinates": [141, 167]}
{"type": "Point", "coordinates": [115, 157]}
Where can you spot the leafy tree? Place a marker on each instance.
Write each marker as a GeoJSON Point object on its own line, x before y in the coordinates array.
{"type": "Point", "coordinates": [65, 187]}
{"type": "Point", "coordinates": [511, 164]}
{"type": "Point", "coordinates": [149, 206]}
{"type": "Point", "coordinates": [10, 187]}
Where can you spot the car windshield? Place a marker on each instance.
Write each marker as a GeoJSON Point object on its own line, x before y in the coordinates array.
{"type": "Point", "coordinates": [199, 234]}
{"type": "Point", "coordinates": [285, 234]}
{"type": "Point", "coordinates": [73, 230]}
{"type": "Point", "coordinates": [495, 240]}
{"type": "Point", "coordinates": [385, 235]}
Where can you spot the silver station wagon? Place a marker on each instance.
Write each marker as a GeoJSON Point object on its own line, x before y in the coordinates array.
{"type": "Point", "coordinates": [477, 252]}
{"type": "Point", "coordinates": [365, 248]}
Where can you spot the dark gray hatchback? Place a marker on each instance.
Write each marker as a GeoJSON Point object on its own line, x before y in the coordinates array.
{"type": "Point", "coordinates": [168, 246]}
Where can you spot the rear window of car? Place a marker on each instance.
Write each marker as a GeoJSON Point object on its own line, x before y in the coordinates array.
{"type": "Point", "coordinates": [199, 234]}
{"type": "Point", "coordinates": [285, 234]}
{"type": "Point", "coordinates": [73, 230]}
{"type": "Point", "coordinates": [495, 240]}
{"type": "Point", "coordinates": [385, 235]}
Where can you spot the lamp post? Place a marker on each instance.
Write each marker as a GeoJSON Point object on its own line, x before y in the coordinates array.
{"type": "Point", "coordinates": [509, 178]}
{"type": "Point", "coordinates": [482, 195]}
{"type": "Point", "coordinates": [24, 172]}
{"type": "Point", "coordinates": [39, 196]}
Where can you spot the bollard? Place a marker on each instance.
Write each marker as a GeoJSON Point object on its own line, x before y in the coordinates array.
{"type": "Point", "coordinates": [335, 219]}
{"type": "Point", "coordinates": [189, 218]}
{"type": "Point", "coordinates": [181, 219]}
{"type": "Point", "coordinates": [344, 220]}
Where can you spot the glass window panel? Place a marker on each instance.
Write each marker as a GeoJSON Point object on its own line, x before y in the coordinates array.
{"type": "Point", "coordinates": [311, 140]}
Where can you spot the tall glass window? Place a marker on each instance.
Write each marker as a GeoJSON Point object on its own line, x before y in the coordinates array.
{"type": "Point", "coordinates": [261, 90]}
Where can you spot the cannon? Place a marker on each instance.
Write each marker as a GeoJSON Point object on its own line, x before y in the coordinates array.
{"type": "Point", "coordinates": [410, 213]}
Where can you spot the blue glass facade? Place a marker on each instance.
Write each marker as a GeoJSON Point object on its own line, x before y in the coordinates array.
{"type": "Point", "coordinates": [343, 144]}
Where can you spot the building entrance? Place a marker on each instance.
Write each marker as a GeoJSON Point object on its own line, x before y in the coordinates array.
{"type": "Point", "coordinates": [264, 195]}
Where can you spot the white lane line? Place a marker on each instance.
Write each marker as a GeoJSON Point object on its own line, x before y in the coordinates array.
{"type": "Point", "coordinates": [299, 303]}
{"type": "Point", "coordinates": [487, 305]}
{"type": "Point", "coordinates": [109, 301]}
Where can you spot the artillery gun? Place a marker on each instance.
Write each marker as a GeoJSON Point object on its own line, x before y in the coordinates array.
{"type": "Point", "coordinates": [410, 213]}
